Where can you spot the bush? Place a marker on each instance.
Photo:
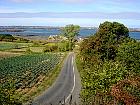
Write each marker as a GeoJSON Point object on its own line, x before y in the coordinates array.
{"type": "Point", "coordinates": [28, 51]}
{"type": "Point", "coordinates": [51, 48]}
{"type": "Point", "coordinates": [128, 54]}
{"type": "Point", "coordinates": [98, 79]}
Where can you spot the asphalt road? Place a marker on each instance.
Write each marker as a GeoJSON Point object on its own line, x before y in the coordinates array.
{"type": "Point", "coordinates": [66, 88]}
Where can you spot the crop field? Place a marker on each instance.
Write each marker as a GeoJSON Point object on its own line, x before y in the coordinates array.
{"type": "Point", "coordinates": [4, 46]}
{"type": "Point", "coordinates": [26, 70]}
{"type": "Point", "coordinates": [12, 45]}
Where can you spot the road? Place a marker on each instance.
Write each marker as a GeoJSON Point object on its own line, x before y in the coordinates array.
{"type": "Point", "coordinates": [65, 89]}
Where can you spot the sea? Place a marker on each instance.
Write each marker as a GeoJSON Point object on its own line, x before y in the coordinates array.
{"type": "Point", "coordinates": [48, 32]}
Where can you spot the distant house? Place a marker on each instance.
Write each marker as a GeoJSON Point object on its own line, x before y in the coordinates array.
{"type": "Point", "coordinates": [56, 38]}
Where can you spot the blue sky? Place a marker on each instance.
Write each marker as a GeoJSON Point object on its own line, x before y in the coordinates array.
{"type": "Point", "coordinates": [62, 12]}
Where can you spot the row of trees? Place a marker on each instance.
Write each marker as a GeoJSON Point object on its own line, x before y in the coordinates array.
{"type": "Point", "coordinates": [6, 37]}
{"type": "Point", "coordinates": [106, 58]}
{"type": "Point", "coordinates": [11, 38]}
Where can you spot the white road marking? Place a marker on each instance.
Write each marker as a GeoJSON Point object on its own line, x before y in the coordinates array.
{"type": "Point", "coordinates": [73, 84]}
{"type": "Point", "coordinates": [72, 61]}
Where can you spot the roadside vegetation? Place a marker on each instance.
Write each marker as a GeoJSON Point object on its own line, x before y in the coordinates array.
{"type": "Point", "coordinates": [109, 66]}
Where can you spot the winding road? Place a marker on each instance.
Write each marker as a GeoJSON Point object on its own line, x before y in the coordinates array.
{"type": "Point", "coordinates": [65, 89]}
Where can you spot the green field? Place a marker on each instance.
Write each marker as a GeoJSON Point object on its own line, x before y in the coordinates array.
{"type": "Point", "coordinates": [26, 72]}
{"type": "Point", "coordinates": [12, 45]}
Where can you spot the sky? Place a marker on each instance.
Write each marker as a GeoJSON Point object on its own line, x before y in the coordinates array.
{"type": "Point", "coordinates": [63, 12]}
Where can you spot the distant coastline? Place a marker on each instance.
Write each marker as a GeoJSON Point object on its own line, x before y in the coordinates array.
{"type": "Point", "coordinates": [46, 31]}
{"type": "Point", "coordinates": [134, 30]}
{"type": "Point", "coordinates": [24, 28]}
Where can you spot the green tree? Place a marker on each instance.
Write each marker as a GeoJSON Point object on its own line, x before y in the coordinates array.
{"type": "Point", "coordinates": [71, 31]}
{"type": "Point", "coordinates": [117, 29]}
{"type": "Point", "coordinates": [103, 45]}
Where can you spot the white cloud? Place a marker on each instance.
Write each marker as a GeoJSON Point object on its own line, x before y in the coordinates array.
{"type": "Point", "coordinates": [57, 1]}
{"type": "Point", "coordinates": [21, 1]}
{"type": "Point", "coordinates": [11, 10]}
{"type": "Point", "coordinates": [64, 21]}
{"type": "Point", "coordinates": [3, 10]}
{"type": "Point", "coordinates": [91, 15]}
{"type": "Point", "coordinates": [71, 1]}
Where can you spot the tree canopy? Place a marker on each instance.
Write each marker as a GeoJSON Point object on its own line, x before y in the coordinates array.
{"type": "Point", "coordinates": [112, 28]}
{"type": "Point", "coordinates": [70, 31]}
{"type": "Point", "coordinates": [105, 41]}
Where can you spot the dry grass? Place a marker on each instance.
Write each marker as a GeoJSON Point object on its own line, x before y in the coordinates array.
{"type": "Point", "coordinates": [37, 49]}
{"type": "Point", "coordinates": [8, 54]}
{"type": "Point", "coordinates": [21, 50]}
